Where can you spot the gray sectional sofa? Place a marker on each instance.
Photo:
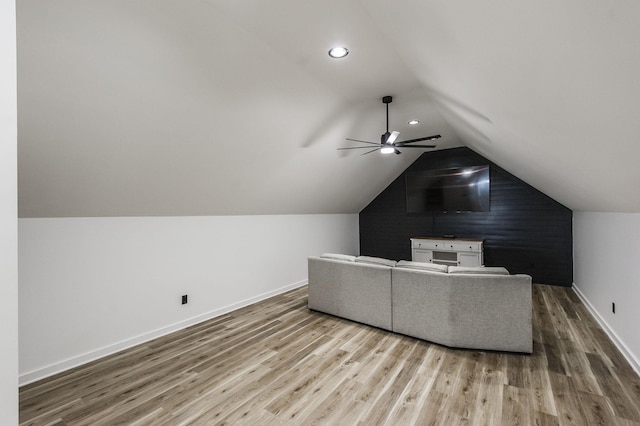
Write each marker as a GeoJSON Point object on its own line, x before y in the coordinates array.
{"type": "Point", "coordinates": [478, 308]}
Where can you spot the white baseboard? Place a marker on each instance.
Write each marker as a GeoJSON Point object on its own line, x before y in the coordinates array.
{"type": "Point", "coordinates": [629, 356]}
{"type": "Point", "coordinates": [76, 361]}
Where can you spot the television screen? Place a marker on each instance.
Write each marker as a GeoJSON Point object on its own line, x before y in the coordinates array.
{"type": "Point", "coordinates": [461, 189]}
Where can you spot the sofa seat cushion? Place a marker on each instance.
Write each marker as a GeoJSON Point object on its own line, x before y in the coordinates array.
{"type": "Point", "coordinates": [336, 256]}
{"type": "Point", "coordinates": [488, 270]}
{"type": "Point", "coordinates": [424, 266]}
{"type": "Point", "coordinates": [376, 261]}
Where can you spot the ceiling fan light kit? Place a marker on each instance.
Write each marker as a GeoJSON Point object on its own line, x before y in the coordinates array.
{"type": "Point", "coordinates": [387, 150]}
{"type": "Point", "coordinates": [388, 144]}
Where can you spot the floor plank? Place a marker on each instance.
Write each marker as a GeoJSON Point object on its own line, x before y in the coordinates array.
{"type": "Point", "coordinates": [276, 362]}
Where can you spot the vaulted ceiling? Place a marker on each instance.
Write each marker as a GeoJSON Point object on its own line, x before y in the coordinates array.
{"type": "Point", "coordinates": [208, 107]}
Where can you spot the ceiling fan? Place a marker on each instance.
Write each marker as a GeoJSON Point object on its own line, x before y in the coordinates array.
{"type": "Point", "coordinates": [388, 144]}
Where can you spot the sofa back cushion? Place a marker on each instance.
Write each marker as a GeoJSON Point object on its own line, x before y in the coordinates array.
{"type": "Point", "coordinates": [336, 256]}
{"type": "Point", "coordinates": [376, 260]}
{"type": "Point", "coordinates": [424, 266]}
{"type": "Point", "coordinates": [489, 270]}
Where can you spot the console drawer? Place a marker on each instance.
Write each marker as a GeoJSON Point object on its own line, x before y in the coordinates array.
{"type": "Point", "coordinates": [428, 244]}
{"type": "Point", "coordinates": [464, 246]}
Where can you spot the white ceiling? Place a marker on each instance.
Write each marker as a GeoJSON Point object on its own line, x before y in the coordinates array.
{"type": "Point", "coordinates": [208, 107]}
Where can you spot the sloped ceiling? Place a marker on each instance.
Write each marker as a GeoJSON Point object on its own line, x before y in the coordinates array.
{"type": "Point", "coordinates": [208, 107]}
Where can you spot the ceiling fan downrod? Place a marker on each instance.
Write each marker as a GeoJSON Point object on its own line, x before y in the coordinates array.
{"type": "Point", "coordinates": [387, 100]}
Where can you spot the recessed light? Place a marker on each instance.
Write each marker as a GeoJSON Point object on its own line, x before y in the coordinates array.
{"type": "Point", "coordinates": [338, 52]}
{"type": "Point", "coordinates": [414, 122]}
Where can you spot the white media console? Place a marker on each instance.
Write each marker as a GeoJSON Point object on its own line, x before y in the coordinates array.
{"type": "Point", "coordinates": [447, 251]}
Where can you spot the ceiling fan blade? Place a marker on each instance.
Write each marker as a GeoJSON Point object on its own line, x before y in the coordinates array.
{"type": "Point", "coordinates": [369, 152]}
{"type": "Point", "coordinates": [354, 147]}
{"type": "Point", "coordinates": [428, 138]}
{"type": "Point", "coordinates": [416, 146]}
{"type": "Point", "coordinates": [392, 137]}
{"type": "Point", "coordinates": [357, 140]}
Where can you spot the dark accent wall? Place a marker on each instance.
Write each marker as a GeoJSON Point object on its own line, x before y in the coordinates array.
{"type": "Point", "coordinates": [525, 231]}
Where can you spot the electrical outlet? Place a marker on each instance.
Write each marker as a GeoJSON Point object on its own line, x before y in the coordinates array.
{"type": "Point", "coordinates": [184, 299]}
{"type": "Point", "coordinates": [613, 307]}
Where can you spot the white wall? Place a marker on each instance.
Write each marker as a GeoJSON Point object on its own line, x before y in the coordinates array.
{"type": "Point", "coordinates": [8, 217]}
{"type": "Point", "coordinates": [91, 286]}
{"type": "Point", "coordinates": [607, 269]}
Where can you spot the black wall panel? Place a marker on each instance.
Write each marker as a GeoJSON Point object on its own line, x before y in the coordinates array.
{"type": "Point", "coordinates": [525, 231]}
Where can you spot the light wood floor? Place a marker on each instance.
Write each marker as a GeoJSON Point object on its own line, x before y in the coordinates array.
{"type": "Point", "coordinates": [276, 362]}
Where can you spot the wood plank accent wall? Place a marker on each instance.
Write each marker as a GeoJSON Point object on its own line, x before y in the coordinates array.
{"type": "Point", "coordinates": [525, 231]}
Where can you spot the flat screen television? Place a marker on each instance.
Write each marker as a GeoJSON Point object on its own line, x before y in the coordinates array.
{"type": "Point", "coordinates": [460, 189]}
